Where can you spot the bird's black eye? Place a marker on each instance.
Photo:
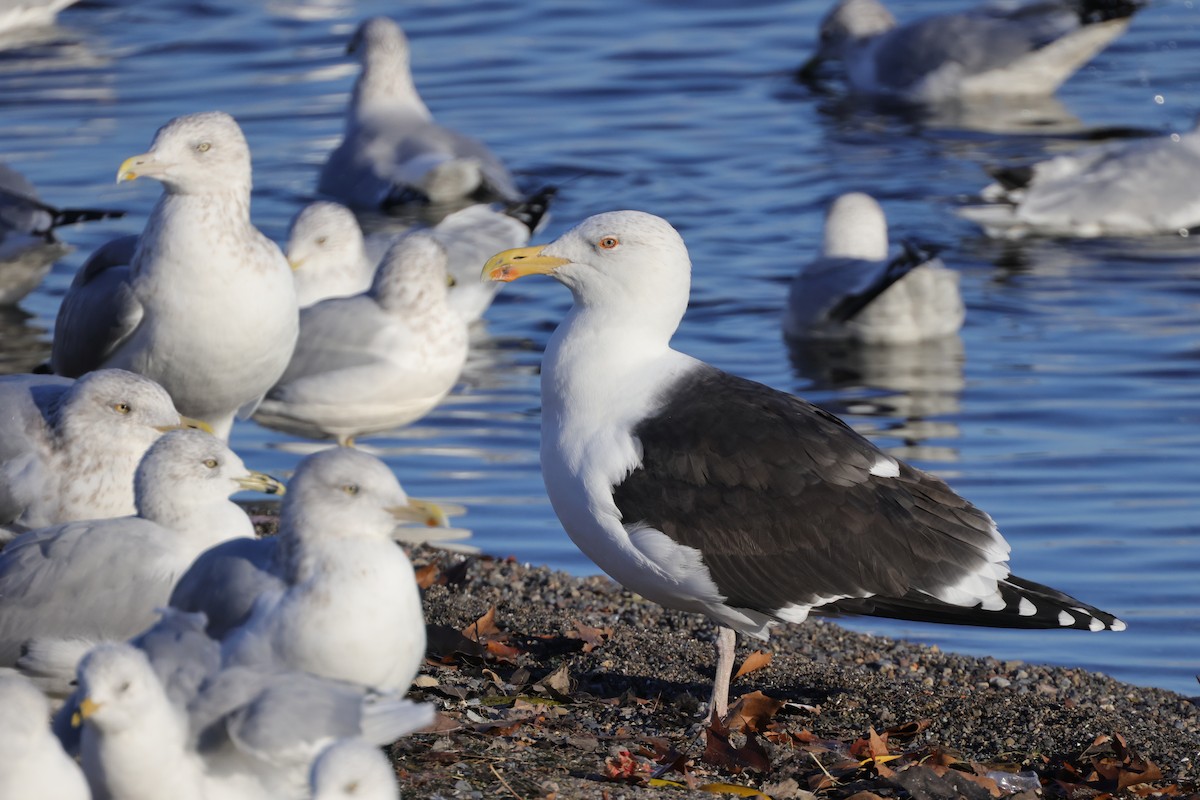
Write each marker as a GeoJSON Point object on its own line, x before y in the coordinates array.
{"type": "Point", "coordinates": [122, 408]}
{"type": "Point", "coordinates": [608, 242]}
{"type": "Point", "coordinates": [350, 489]}
{"type": "Point", "coordinates": [322, 239]}
{"type": "Point", "coordinates": [123, 688]}
{"type": "Point", "coordinates": [203, 147]}
{"type": "Point", "coordinates": [211, 463]}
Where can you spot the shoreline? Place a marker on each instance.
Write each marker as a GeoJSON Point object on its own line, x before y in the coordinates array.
{"type": "Point", "coordinates": [575, 688]}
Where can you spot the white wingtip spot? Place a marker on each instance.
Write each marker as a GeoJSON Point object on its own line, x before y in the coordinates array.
{"type": "Point", "coordinates": [1065, 619]}
{"type": "Point", "coordinates": [1026, 608]}
{"type": "Point", "coordinates": [1095, 625]}
{"type": "Point", "coordinates": [1117, 625]}
{"type": "Point", "coordinates": [886, 468]}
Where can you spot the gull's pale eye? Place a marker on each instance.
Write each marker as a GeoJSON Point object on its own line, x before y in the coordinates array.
{"type": "Point", "coordinates": [203, 147]}
{"type": "Point", "coordinates": [211, 463]}
{"type": "Point", "coordinates": [350, 489]}
{"type": "Point", "coordinates": [608, 242]}
{"type": "Point", "coordinates": [122, 408]}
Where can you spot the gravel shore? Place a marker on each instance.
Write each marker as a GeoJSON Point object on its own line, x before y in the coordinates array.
{"type": "Point", "coordinates": [553, 686]}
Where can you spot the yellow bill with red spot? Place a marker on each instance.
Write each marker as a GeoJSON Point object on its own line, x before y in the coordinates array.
{"type": "Point", "coordinates": [519, 262]}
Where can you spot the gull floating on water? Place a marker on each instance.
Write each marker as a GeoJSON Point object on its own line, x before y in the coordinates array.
{"type": "Point", "coordinates": [853, 291]}
{"type": "Point", "coordinates": [706, 492]}
{"type": "Point", "coordinates": [207, 305]}
{"type": "Point", "coordinates": [992, 49]}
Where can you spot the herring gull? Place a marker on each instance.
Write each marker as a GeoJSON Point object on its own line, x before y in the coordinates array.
{"type": "Point", "coordinates": [210, 308]}
{"type": "Point", "coordinates": [853, 291]}
{"type": "Point", "coordinates": [70, 585]}
{"type": "Point", "coordinates": [392, 151]}
{"type": "Point", "coordinates": [376, 361]}
{"type": "Point", "coordinates": [1130, 188]}
{"type": "Point", "coordinates": [707, 492]}
{"type": "Point", "coordinates": [68, 449]}
{"type": "Point", "coordinates": [990, 50]}
{"type": "Point", "coordinates": [326, 253]}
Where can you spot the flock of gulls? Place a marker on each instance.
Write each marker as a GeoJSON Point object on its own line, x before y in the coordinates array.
{"type": "Point", "coordinates": [151, 646]}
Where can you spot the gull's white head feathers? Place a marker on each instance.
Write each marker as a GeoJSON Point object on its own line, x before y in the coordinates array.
{"type": "Point", "coordinates": [203, 153]}
{"type": "Point", "coordinates": [855, 227]}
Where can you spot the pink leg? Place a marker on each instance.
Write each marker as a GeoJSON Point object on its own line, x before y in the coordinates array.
{"type": "Point", "coordinates": [726, 644]}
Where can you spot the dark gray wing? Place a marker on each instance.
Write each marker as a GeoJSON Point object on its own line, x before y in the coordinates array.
{"type": "Point", "coordinates": [99, 311]}
{"type": "Point", "coordinates": [779, 497]}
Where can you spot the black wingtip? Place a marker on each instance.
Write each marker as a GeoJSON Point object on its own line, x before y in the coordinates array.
{"type": "Point", "coordinates": [914, 253]}
{"type": "Point", "coordinates": [1095, 11]}
{"type": "Point", "coordinates": [1012, 177]}
{"type": "Point", "coordinates": [70, 216]}
{"type": "Point", "coordinates": [532, 210]}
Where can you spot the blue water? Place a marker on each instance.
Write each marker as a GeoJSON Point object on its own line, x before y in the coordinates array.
{"type": "Point", "coordinates": [1069, 410]}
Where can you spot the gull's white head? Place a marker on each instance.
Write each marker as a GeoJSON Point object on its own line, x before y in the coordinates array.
{"type": "Point", "coordinates": [847, 22]}
{"type": "Point", "coordinates": [379, 40]}
{"type": "Point", "coordinates": [343, 493]}
{"type": "Point", "coordinates": [119, 688]}
{"type": "Point", "coordinates": [412, 276]}
{"type": "Point", "coordinates": [352, 769]}
{"type": "Point", "coordinates": [631, 264]}
{"type": "Point", "coordinates": [187, 470]}
{"type": "Point", "coordinates": [195, 154]}
{"type": "Point", "coordinates": [112, 404]}
{"type": "Point", "coordinates": [855, 227]}
{"type": "Point", "coordinates": [323, 236]}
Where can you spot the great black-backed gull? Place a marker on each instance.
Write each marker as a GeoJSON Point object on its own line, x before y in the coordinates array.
{"type": "Point", "coordinates": [854, 292]}
{"type": "Point", "coordinates": [707, 492]}
{"type": "Point", "coordinates": [995, 49]}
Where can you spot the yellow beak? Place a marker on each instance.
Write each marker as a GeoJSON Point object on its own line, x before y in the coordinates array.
{"type": "Point", "coordinates": [519, 262]}
{"type": "Point", "coordinates": [186, 422]}
{"type": "Point", "coordinates": [261, 482]}
{"type": "Point", "coordinates": [424, 512]}
{"type": "Point", "coordinates": [295, 265]}
{"type": "Point", "coordinates": [144, 165]}
{"type": "Point", "coordinates": [86, 709]}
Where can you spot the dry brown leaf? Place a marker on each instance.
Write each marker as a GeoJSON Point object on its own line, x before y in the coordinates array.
{"type": "Point", "coordinates": [752, 712]}
{"type": "Point", "coordinates": [483, 628]}
{"type": "Point", "coordinates": [428, 575]}
{"type": "Point", "coordinates": [755, 661]}
{"type": "Point", "coordinates": [907, 730]}
{"type": "Point", "coordinates": [871, 746]}
{"type": "Point", "coordinates": [442, 724]}
{"type": "Point", "coordinates": [720, 752]}
{"type": "Point", "coordinates": [502, 652]}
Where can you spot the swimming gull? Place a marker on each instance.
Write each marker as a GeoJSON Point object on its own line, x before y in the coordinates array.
{"type": "Point", "coordinates": [83, 582]}
{"type": "Point", "coordinates": [1130, 188]}
{"type": "Point", "coordinates": [706, 492]}
{"type": "Point", "coordinates": [352, 769]}
{"type": "Point", "coordinates": [853, 291]}
{"type": "Point", "coordinates": [15, 14]}
{"type": "Point", "coordinates": [32, 762]}
{"type": "Point", "coordinates": [68, 449]}
{"type": "Point", "coordinates": [350, 609]}
{"type": "Point", "coordinates": [993, 49]}
{"type": "Point", "coordinates": [392, 151]}
{"type": "Point", "coordinates": [225, 581]}
{"type": "Point", "coordinates": [377, 361]}
{"type": "Point", "coordinates": [28, 246]}
{"type": "Point", "coordinates": [210, 311]}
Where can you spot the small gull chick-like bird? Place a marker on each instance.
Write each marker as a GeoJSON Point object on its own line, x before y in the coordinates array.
{"type": "Point", "coordinates": [990, 50]}
{"type": "Point", "coordinates": [853, 291]}
{"type": "Point", "coordinates": [376, 361]}
{"type": "Point", "coordinates": [392, 149]}
{"type": "Point", "coordinates": [207, 305]}
{"type": "Point", "coordinates": [28, 246]}
{"type": "Point", "coordinates": [32, 762]}
{"type": "Point", "coordinates": [345, 605]}
{"type": "Point", "coordinates": [1141, 187]}
{"type": "Point", "coordinates": [707, 492]}
{"type": "Point", "coordinates": [70, 585]}
{"type": "Point", "coordinates": [69, 449]}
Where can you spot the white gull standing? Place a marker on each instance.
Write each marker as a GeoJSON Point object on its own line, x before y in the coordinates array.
{"type": "Point", "coordinates": [207, 308]}
{"type": "Point", "coordinates": [393, 151]}
{"type": "Point", "coordinates": [69, 449]}
{"type": "Point", "coordinates": [853, 291]}
{"type": "Point", "coordinates": [1131, 188]}
{"type": "Point", "coordinates": [83, 582]}
{"type": "Point", "coordinates": [990, 50]}
{"type": "Point", "coordinates": [376, 361]}
{"type": "Point", "coordinates": [706, 492]}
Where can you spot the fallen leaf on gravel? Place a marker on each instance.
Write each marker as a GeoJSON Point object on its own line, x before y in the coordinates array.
{"type": "Point", "coordinates": [483, 628]}
{"type": "Point", "coordinates": [557, 684]}
{"type": "Point", "coordinates": [871, 747]}
{"type": "Point", "coordinates": [719, 752]}
{"type": "Point", "coordinates": [906, 730]}
{"type": "Point", "coordinates": [428, 575]}
{"type": "Point", "coordinates": [502, 652]}
{"type": "Point", "coordinates": [591, 637]}
{"type": "Point", "coordinates": [624, 766]}
{"type": "Point", "coordinates": [755, 661]}
{"type": "Point", "coordinates": [752, 712]}
{"type": "Point", "coordinates": [442, 724]}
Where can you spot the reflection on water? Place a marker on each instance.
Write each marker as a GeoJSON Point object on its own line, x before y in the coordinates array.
{"type": "Point", "coordinates": [25, 341]}
{"type": "Point", "coordinates": [911, 386]}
